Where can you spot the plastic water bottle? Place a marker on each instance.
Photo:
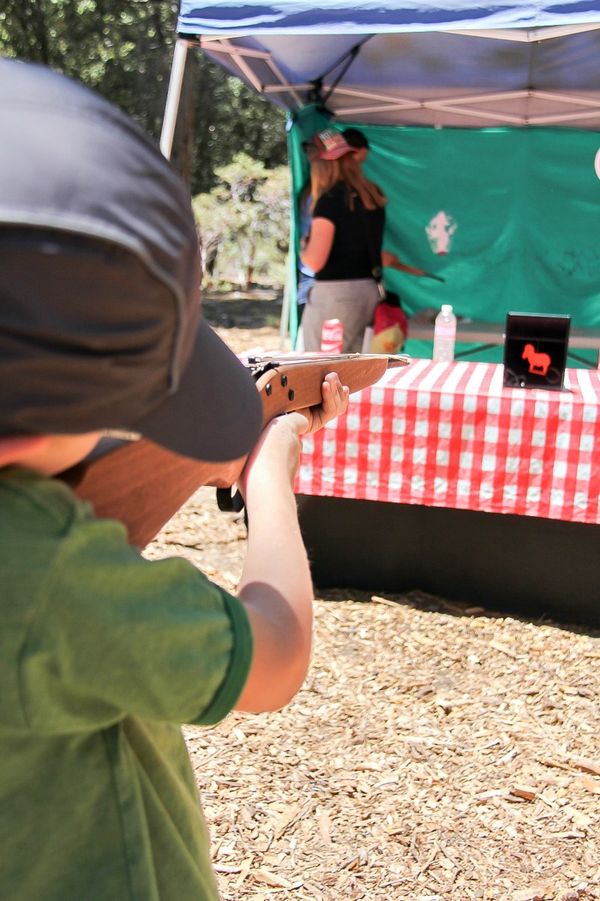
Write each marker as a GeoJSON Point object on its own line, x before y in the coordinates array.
{"type": "Point", "coordinates": [332, 336]}
{"type": "Point", "coordinates": [444, 335]}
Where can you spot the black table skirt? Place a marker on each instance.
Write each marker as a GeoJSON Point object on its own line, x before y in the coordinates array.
{"type": "Point", "coordinates": [527, 565]}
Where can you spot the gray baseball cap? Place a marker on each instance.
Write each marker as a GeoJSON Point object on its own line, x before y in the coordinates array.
{"type": "Point", "coordinates": [100, 316]}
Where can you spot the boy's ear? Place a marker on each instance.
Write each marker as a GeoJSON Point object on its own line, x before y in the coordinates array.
{"type": "Point", "coordinates": [16, 449]}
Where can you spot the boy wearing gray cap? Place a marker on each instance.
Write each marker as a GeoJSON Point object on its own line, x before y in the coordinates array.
{"type": "Point", "coordinates": [103, 653]}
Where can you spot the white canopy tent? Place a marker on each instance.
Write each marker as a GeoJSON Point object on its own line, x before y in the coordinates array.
{"type": "Point", "coordinates": [456, 64]}
{"type": "Point", "coordinates": [471, 73]}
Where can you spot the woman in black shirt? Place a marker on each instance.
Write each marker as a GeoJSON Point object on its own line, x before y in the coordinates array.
{"type": "Point", "coordinates": [344, 245]}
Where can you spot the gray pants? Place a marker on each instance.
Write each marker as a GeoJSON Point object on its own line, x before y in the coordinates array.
{"type": "Point", "coordinates": [353, 302]}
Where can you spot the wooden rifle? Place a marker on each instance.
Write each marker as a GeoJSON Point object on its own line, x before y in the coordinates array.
{"type": "Point", "coordinates": [143, 485]}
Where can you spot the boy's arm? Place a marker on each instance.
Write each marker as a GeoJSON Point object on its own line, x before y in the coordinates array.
{"type": "Point", "coordinates": [276, 587]}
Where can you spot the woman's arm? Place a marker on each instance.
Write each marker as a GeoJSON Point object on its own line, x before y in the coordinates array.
{"type": "Point", "coordinates": [390, 260]}
{"type": "Point", "coordinates": [319, 244]}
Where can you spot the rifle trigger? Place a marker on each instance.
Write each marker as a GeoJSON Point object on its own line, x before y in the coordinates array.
{"type": "Point", "coordinates": [228, 502]}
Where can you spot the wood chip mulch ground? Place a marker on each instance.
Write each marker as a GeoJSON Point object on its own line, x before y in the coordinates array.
{"type": "Point", "coordinates": [437, 751]}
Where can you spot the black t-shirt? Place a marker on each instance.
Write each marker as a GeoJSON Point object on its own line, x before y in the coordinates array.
{"type": "Point", "coordinates": [358, 235]}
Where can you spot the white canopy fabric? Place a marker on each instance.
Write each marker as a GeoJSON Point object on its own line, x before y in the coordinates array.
{"type": "Point", "coordinates": [455, 64]}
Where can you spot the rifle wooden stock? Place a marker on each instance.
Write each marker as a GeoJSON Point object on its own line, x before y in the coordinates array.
{"type": "Point", "coordinates": [143, 485]}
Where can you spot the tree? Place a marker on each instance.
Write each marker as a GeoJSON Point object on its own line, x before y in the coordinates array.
{"type": "Point", "coordinates": [123, 49]}
{"type": "Point", "coordinates": [230, 119]}
{"type": "Point", "coordinates": [244, 220]}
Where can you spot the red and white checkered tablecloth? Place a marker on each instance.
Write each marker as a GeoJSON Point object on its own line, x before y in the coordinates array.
{"type": "Point", "coordinates": [450, 435]}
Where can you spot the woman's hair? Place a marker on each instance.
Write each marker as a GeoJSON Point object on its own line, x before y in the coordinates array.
{"type": "Point", "coordinates": [324, 174]}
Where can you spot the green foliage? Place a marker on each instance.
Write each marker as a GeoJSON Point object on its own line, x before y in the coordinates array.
{"type": "Point", "coordinates": [230, 119]}
{"type": "Point", "coordinates": [244, 222]}
{"type": "Point", "coordinates": [123, 49]}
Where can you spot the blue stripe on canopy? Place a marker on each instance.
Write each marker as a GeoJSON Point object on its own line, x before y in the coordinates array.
{"type": "Point", "coordinates": [375, 16]}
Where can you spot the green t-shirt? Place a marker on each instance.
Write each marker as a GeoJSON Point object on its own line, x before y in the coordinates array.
{"type": "Point", "coordinates": [102, 655]}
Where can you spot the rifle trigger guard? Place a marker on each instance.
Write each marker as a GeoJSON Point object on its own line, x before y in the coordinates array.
{"type": "Point", "coordinates": [228, 502]}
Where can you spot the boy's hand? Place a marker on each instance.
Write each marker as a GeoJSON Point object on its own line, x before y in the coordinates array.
{"type": "Point", "coordinates": [335, 403]}
{"type": "Point", "coordinates": [278, 447]}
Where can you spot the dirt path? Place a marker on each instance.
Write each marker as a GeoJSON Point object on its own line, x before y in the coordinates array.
{"type": "Point", "coordinates": [436, 751]}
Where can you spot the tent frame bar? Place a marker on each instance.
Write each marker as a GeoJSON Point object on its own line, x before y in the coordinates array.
{"type": "Point", "coordinates": [528, 36]}
{"type": "Point", "coordinates": [173, 96]}
{"type": "Point", "coordinates": [455, 105]}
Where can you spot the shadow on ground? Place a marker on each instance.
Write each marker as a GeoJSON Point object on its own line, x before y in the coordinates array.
{"type": "Point", "coordinates": [259, 308]}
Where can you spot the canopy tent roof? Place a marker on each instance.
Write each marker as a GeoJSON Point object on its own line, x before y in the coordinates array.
{"type": "Point", "coordinates": [455, 64]}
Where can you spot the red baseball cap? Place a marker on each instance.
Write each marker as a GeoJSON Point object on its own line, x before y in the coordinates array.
{"type": "Point", "coordinates": [331, 144]}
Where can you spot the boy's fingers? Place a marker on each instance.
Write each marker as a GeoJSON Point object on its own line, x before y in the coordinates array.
{"type": "Point", "coordinates": [335, 395]}
{"type": "Point", "coordinates": [342, 391]}
{"type": "Point", "coordinates": [334, 402]}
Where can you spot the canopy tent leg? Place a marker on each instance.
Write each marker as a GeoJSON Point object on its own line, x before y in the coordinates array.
{"type": "Point", "coordinates": [284, 321]}
{"type": "Point", "coordinates": [173, 96]}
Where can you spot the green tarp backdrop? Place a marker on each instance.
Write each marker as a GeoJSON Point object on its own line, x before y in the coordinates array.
{"type": "Point", "coordinates": [508, 216]}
